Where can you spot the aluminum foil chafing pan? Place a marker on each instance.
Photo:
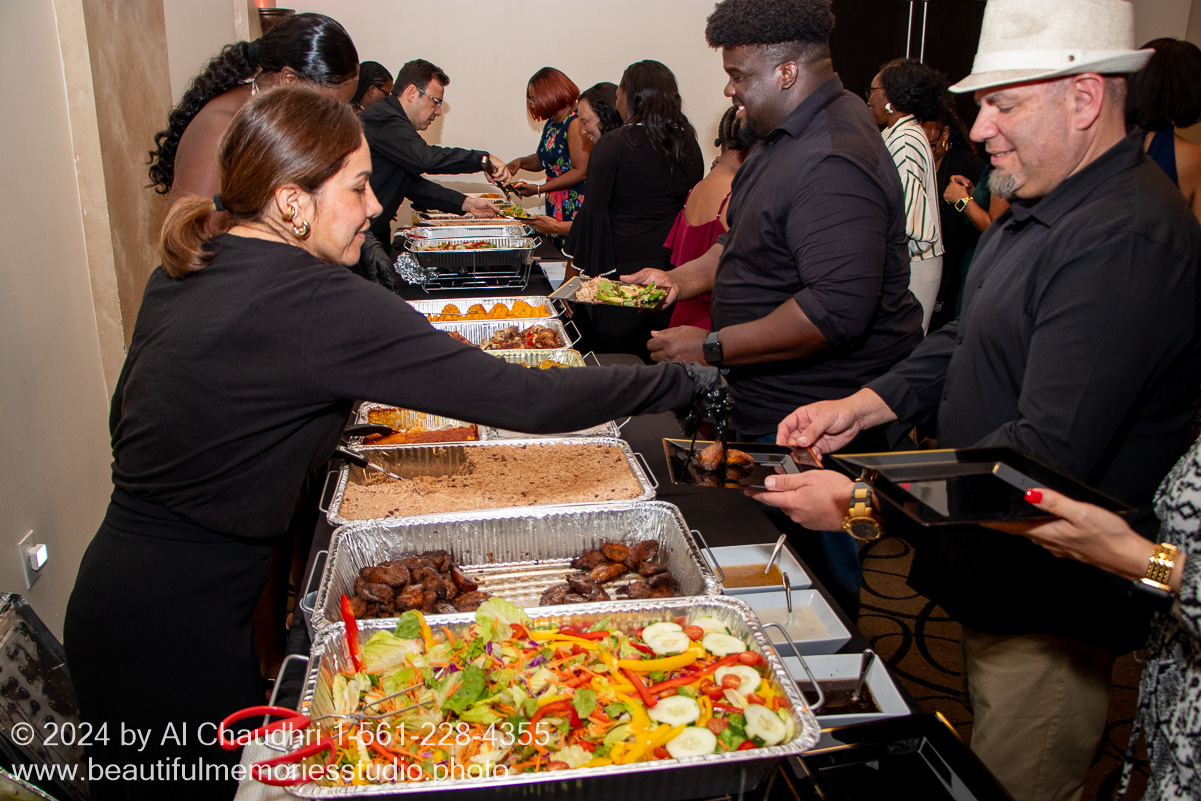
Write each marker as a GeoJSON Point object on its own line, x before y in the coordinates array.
{"type": "Point", "coordinates": [479, 331]}
{"type": "Point", "coordinates": [513, 553]}
{"type": "Point", "coordinates": [439, 459]}
{"type": "Point", "coordinates": [690, 777]}
{"type": "Point", "coordinates": [435, 307]}
{"type": "Point", "coordinates": [508, 252]}
{"type": "Point", "coordinates": [411, 419]}
{"type": "Point", "coordinates": [568, 357]}
{"type": "Point", "coordinates": [507, 228]}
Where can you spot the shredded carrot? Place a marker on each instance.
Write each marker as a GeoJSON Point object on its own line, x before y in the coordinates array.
{"type": "Point", "coordinates": [449, 637]}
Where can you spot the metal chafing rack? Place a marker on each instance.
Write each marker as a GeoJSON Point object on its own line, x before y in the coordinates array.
{"type": "Point", "coordinates": [513, 553]}
{"type": "Point", "coordinates": [435, 307]}
{"type": "Point", "coordinates": [688, 777]}
{"type": "Point", "coordinates": [442, 459]}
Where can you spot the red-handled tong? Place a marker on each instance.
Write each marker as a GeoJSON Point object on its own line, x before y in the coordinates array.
{"type": "Point", "coordinates": [291, 720]}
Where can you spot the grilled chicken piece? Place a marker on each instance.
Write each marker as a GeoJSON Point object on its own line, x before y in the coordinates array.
{"type": "Point", "coordinates": [554, 595]}
{"type": "Point", "coordinates": [397, 576]}
{"type": "Point", "coordinates": [413, 563]}
{"type": "Point", "coordinates": [651, 568]}
{"type": "Point", "coordinates": [411, 597]}
{"type": "Point", "coordinates": [464, 582]}
{"type": "Point", "coordinates": [642, 552]}
{"type": "Point", "coordinates": [361, 608]}
{"type": "Point", "coordinates": [710, 458]}
{"type": "Point", "coordinates": [661, 580]}
{"type": "Point", "coordinates": [441, 559]}
{"type": "Point", "coordinates": [615, 551]}
{"type": "Point", "coordinates": [574, 598]}
{"type": "Point", "coordinates": [590, 559]}
{"type": "Point", "coordinates": [469, 602]}
{"type": "Point", "coordinates": [452, 589]}
{"type": "Point", "coordinates": [380, 594]}
{"type": "Point", "coordinates": [465, 341]}
{"type": "Point", "coordinates": [581, 583]}
{"type": "Point", "coordinates": [429, 599]}
{"type": "Point", "coordinates": [598, 594]}
{"type": "Point", "coordinates": [428, 578]}
{"type": "Point", "coordinates": [638, 589]}
{"type": "Point", "coordinates": [445, 608]}
{"type": "Point", "coordinates": [663, 592]}
{"type": "Point", "coordinates": [607, 572]}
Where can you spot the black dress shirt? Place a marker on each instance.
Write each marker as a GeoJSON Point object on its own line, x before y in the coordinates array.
{"type": "Point", "coordinates": [1078, 346]}
{"type": "Point", "coordinates": [634, 195]}
{"type": "Point", "coordinates": [400, 157]}
{"type": "Point", "coordinates": [817, 216]}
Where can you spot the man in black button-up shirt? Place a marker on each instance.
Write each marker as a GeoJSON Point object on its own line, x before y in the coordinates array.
{"type": "Point", "coordinates": [1078, 345]}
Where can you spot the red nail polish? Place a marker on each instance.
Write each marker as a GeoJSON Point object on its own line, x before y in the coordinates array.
{"type": "Point", "coordinates": [1034, 496]}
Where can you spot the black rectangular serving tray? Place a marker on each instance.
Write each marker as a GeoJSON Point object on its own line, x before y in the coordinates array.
{"type": "Point", "coordinates": [959, 486]}
{"type": "Point", "coordinates": [682, 469]}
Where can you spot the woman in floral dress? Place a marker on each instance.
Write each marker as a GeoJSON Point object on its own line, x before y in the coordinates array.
{"type": "Point", "coordinates": [563, 149]}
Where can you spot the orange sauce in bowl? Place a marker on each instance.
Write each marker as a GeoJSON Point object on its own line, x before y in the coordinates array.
{"type": "Point", "coordinates": [752, 576]}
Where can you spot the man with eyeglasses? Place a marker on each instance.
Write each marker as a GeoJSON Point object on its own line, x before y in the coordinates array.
{"type": "Point", "coordinates": [400, 158]}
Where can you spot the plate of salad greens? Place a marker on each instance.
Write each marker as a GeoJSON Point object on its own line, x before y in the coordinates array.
{"type": "Point", "coordinates": [606, 292]}
{"type": "Point", "coordinates": [618, 688]}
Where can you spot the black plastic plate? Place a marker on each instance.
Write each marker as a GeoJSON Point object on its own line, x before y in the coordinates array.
{"type": "Point", "coordinates": [769, 461]}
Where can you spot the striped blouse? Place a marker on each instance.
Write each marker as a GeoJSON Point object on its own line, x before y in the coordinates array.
{"type": "Point", "coordinates": [911, 151]}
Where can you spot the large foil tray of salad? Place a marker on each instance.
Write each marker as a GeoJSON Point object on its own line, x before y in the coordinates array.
{"type": "Point", "coordinates": [515, 554]}
{"type": "Point", "coordinates": [477, 332]}
{"type": "Point", "coordinates": [450, 458]}
{"type": "Point", "coordinates": [671, 698]}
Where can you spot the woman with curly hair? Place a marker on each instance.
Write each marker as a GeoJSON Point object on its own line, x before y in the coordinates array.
{"type": "Point", "coordinates": [902, 93]}
{"type": "Point", "coordinates": [308, 49]}
{"type": "Point", "coordinates": [1163, 96]}
{"type": "Point", "coordinates": [550, 98]}
{"type": "Point", "coordinates": [375, 83]}
{"type": "Point", "coordinates": [638, 179]}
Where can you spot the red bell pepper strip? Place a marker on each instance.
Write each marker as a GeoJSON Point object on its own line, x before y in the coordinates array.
{"type": "Point", "coordinates": [644, 648]}
{"type": "Point", "coordinates": [557, 706]}
{"type": "Point", "coordinates": [664, 685]}
{"type": "Point", "coordinates": [647, 698]}
{"type": "Point", "coordinates": [745, 745]}
{"type": "Point", "coordinates": [352, 635]}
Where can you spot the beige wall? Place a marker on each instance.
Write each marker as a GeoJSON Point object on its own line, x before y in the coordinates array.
{"type": "Point", "coordinates": [54, 477]}
{"type": "Point", "coordinates": [196, 31]}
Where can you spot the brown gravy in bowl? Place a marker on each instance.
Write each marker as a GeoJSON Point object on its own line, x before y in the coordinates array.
{"type": "Point", "coordinates": [838, 697]}
{"type": "Point", "coordinates": [752, 576]}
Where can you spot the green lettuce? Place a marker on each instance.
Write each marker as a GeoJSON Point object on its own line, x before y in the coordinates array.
{"type": "Point", "coordinates": [408, 626]}
{"type": "Point", "coordinates": [480, 713]}
{"type": "Point", "coordinates": [495, 616]}
{"type": "Point", "coordinates": [584, 701]}
{"type": "Point", "coordinates": [471, 687]}
{"type": "Point", "coordinates": [385, 650]}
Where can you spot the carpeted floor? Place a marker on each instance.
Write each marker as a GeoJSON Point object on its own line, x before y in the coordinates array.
{"type": "Point", "coordinates": [921, 645]}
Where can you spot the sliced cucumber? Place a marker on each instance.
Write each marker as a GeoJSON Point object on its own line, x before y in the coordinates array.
{"type": "Point", "coordinates": [761, 722]}
{"type": "Point", "coordinates": [693, 741]}
{"type": "Point", "coordinates": [748, 677]}
{"type": "Point", "coordinates": [665, 643]}
{"type": "Point", "coordinates": [711, 625]}
{"type": "Point", "coordinates": [655, 629]}
{"type": "Point", "coordinates": [723, 644]}
{"type": "Point", "coordinates": [617, 734]}
{"type": "Point", "coordinates": [676, 710]}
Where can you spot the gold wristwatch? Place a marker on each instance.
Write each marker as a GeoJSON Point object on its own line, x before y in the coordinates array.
{"type": "Point", "coordinates": [1159, 567]}
{"type": "Point", "coordinates": [861, 522]}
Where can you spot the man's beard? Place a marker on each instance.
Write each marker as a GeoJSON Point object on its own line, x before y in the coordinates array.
{"type": "Point", "coordinates": [1002, 184]}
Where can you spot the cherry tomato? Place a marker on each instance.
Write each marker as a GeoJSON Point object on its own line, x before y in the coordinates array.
{"type": "Point", "coordinates": [750, 658]}
{"type": "Point", "coordinates": [715, 692]}
{"type": "Point", "coordinates": [716, 725]}
{"type": "Point", "coordinates": [576, 650]}
{"type": "Point", "coordinates": [669, 692]}
{"type": "Point", "coordinates": [681, 621]}
{"type": "Point", "coordinates": [746, 745]}
{"type": "Point", "coordinates": [731, 682]}
{"type": "Point", "coordinates": [570, 631]}
{"type": "Point", "coordinates": [660, 752]}
{"type": "Point", "coordinates": [694, 632]}
{"type": "Point", "coordinates": [755, 698]}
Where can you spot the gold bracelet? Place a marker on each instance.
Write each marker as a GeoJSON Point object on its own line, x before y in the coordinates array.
{"type": "Point", "coordinates": [1161, 563]}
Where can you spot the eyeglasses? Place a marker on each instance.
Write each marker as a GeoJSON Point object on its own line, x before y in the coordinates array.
{"type": "Point", "coordinates": [437, 100]}
{"type": "Point", "coordinates": [868, 94]}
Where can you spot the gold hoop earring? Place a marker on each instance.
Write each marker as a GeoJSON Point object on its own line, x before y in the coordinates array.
{"type": "Point", "coordinates": [290, 214]}
{"type": "Point", "coordinates": [302, 230]}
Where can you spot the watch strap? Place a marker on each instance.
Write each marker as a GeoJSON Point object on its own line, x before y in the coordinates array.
{"type": "Point", "coordinates": [961, 204]}
{"type": "Point", "coordinates": [1161, 563]}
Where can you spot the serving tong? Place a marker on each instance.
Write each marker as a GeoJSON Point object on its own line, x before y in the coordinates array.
{"type": "Point", "coordinates": [359, 460]}
{"type": "Point", "coordinates": [865, 664]}
{"type": "Point", "coordinates": [775, 552]}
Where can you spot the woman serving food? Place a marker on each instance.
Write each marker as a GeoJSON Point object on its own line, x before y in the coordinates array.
{"type": "Point", "coordinates": [251, 346]}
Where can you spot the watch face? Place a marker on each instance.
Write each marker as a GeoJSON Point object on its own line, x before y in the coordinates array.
{"type": "Point", "coordinates": [864, 528]}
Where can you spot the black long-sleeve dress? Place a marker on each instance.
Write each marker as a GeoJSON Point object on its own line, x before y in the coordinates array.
{"type": "Point", "coordinates": [238, 382]}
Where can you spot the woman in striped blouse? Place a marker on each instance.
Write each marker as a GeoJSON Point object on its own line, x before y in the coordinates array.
{"type": "Point", "coordinates": [903, 93]}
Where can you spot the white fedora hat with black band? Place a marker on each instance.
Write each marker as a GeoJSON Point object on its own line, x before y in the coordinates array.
{"type": "Point", "coordinates": [1038, 40]}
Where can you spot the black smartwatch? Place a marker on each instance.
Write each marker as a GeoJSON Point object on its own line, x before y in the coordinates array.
{"type": "Point", "coordinates": [712, 349]}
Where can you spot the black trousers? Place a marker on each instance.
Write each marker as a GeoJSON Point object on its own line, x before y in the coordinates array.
{"type": "Point", "coordinates": [159, 640]}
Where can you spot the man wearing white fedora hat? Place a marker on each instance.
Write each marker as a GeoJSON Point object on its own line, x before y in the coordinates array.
{"type": "Point", "coordinates": [1080, 345]}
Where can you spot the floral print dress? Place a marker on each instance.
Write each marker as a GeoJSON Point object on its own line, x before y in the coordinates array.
{"type": "Point", "coordinates": [555, 158]}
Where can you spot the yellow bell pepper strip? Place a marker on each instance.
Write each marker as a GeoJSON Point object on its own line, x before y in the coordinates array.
{"type": "Point", "coordinates": [639, 720]}
{"type": "Point", "coordinates": [663, 665]}
{"type": "Point", "coordinates": [352, 635]}
{"type": "Point", "coordinates": [706, 710]}
{"type": "Point", "coordinates": [554, 639]}
{"type": "Point", "coordinates": [427, 636]}
{"type": "Point", "coordinates": [608, 659]}
{"type": "Point", "coordinates": [598, 762]}
{"type": "Point", "coordinates": [662, 737]}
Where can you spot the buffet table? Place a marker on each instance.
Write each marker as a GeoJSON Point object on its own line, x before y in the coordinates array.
{"type": "Point", "coordinates": [724, 518]}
